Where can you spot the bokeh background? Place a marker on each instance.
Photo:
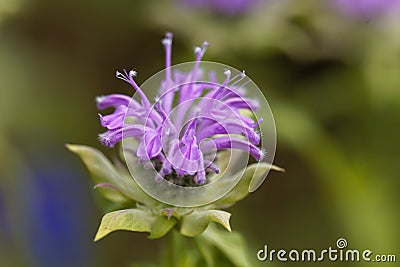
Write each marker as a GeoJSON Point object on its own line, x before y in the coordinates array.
{"type": "Point", "coordinates": [329, 69]}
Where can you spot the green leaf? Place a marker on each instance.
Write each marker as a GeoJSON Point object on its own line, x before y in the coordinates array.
{"type": "Point", "coordinates": [232, 245]}
{"type": "Point", "coordinates": [117, 185]}
{"type": "Point", "coordinates": [161, 226]}
{"type": "Point", "coordinates": [196, 222]}
{"type": "Point", "coordinates": [130, 220]}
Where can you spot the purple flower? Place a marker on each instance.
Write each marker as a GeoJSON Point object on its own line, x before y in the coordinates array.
{"type": "Point", "coordinates": [191, 120]}
{"type": "Point", "coordinates": [227, 7]}
{"type": "Point", "coordinates": [367, 8]}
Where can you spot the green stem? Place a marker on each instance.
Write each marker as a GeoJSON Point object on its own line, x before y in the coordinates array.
{"type": "Point", "coordinates": [172, 257]}
{"type": "Point", "coordinates": [172, 246]}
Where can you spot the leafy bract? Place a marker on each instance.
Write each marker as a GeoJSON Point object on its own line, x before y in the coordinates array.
{"type": "Point", "coordinates": [130, 220]}
{"type": "Point", "coordinates": [196, 222]}
{"type": "Point", "coordinates": [117, 184]}
{"type": "Point", "coordinates": [250, 180]}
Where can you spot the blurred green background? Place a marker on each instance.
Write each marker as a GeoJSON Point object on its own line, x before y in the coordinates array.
{"type": "Point", "coordinates": [330, 71]}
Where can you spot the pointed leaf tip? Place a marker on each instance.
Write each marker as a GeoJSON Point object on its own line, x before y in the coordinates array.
{"type": "Point", "coordinates": [277, 168]}
{"type": "Point", "coordinates": [129, 220]}
{"type": "Point", "coordinates": [71, 147]}
{"type": "Point", "coordinates": [196, 222]}
{"type": "Point", "coordinates": [259, 175]}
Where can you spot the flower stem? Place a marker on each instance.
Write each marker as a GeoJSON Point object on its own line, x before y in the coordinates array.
{"type": "Point", "coordinates": [172, 247]}
{"type": "Point", "coordinates": [171, 250]}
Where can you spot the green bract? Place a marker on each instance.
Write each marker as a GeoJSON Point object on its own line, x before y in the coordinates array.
{"type": "Point", "coordinates": [146, 214]}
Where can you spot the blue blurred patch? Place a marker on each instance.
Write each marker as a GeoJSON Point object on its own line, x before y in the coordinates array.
{"type": "Point", "coordinates": [58, 212]}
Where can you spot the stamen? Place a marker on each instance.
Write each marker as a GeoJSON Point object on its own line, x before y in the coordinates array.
{"type": "Point", "coordinates": [237, 76]}
{"type": "Point", "coordinates": [167, 41]}
{"type": "Point", "coordinates": [241, 75]}
{"type": "Point", "coordinates": [245, 83]}
{"type": "Point", "coordinates": [227, 73]}
{"type": "Point", "coordinates": [127, 77]}
{"type": "Point", "coordinates": [197, 50]}
{"type": "Point", "coordinates": [200, 51]}
{"type": "Point", "coordinates": [99, 98]}
{"type": "Point", "coordinates": [223, 86]}
{"type": "Point", "coordinates": [132, 74]}
{"type": "Point", "coordinates": [204, 48]}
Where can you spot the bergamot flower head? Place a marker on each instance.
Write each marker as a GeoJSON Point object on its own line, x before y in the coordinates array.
{"type": "Point", "coordinates": [189, 122]}
{"type": "Point", "coordinates": [187, 135]}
